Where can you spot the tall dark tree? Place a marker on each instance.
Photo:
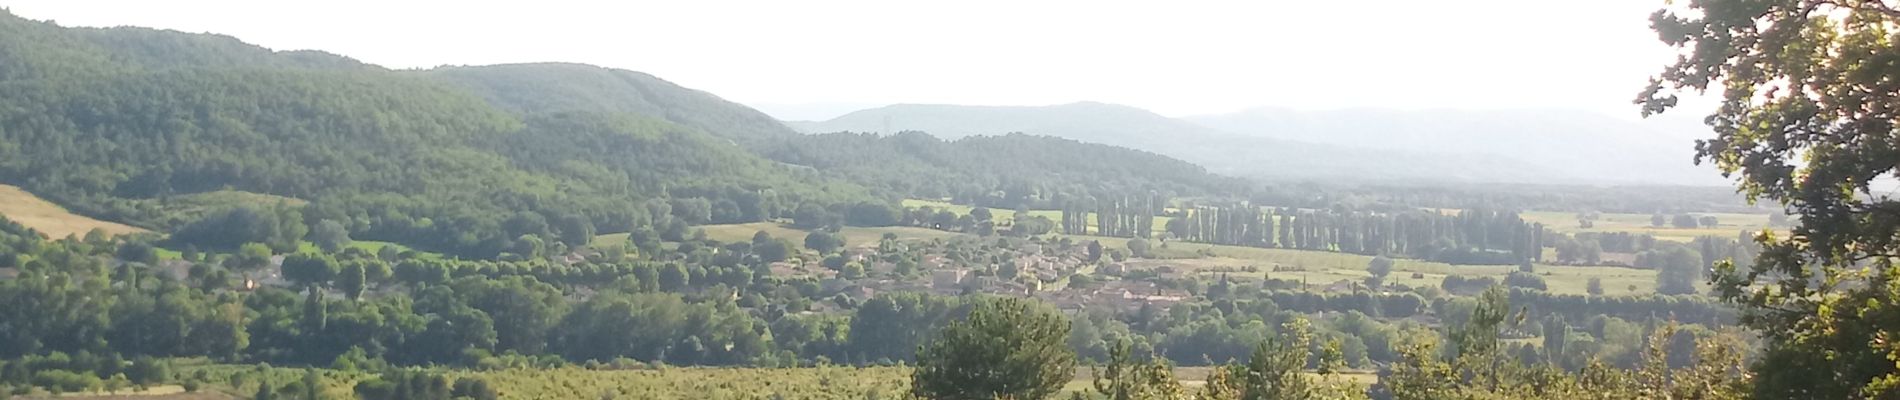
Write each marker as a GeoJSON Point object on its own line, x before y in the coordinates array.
{"type": "Point", "coordinates": [1008, 348]}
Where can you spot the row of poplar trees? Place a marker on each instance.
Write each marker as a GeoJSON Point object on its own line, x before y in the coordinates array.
{"type": "Point", "coordinates": [1418, 233]}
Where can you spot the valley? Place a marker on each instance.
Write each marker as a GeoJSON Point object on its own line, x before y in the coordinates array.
{"type": "Point", "coordinates": [194, 216]}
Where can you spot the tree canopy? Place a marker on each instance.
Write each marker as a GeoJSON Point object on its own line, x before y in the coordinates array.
{"type": "Point", "coordinates": [1007, 348]}
{"type": "Point", "coordinates": [1806, 122]}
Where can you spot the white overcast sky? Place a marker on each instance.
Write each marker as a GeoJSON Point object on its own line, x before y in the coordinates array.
{"type": "Point", "coordinates": [815, 59]}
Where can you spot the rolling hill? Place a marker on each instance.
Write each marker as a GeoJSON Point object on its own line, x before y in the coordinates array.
{"type": "Point", "coordinates": [571, 88]}
{"type": "Point", "coordinates": [115, 123]}
{"type": "Point", "coordinates": [1219, 151]}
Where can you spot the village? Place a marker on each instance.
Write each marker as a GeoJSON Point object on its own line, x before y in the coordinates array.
{"type": "Point", "coordinates": [1062, 272]}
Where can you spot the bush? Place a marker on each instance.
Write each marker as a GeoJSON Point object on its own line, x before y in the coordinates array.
{"type": "Point", "coordinates": [1525, 280]}
{"type": "Point", "coordinates": [473, 388]}
{"type": "Point", "coordinates": [63, 381]}
{"type": "Point", "coordinates": [146, 371]}
{"type": "Point", "coordinates": [1380, 266]}
{"type": "Point", "coordinates": [1461, 284]}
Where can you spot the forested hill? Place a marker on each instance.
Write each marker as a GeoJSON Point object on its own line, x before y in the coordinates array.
{"type": "Point", "coordinates": [41, 51]}
{"type": "Point", "coordinates": [114, 122]}
{"type": "Point", "coordinates": [560, 87]}
{"type": "Point", "coordinates": [1221, 152]}
{"type": "Point", "coordinates": [119, 123]}
{"type": "Point", "coordinates": [1006, 171]}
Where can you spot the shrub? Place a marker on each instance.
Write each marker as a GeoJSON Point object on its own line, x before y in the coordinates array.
{"type": "Point", "coordinates": [63, 381]}
{"type": "Point", "coordinates": [1525, 280]}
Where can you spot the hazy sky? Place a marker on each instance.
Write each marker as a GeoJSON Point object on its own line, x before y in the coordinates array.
{"type": "Point", "coordinates": [815, 59]}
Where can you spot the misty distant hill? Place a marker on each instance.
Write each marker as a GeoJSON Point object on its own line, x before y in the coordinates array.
{"type": "Point", "coordinates": [1589, 146]}
{"type": "Point", "coordinates": [1219, 151]}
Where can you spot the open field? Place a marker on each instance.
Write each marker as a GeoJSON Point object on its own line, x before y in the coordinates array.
{"type": "Point", "coordinates": [750, 383]}
{"type": "Point", "coordinates": [1197, 376]}
{"type": "Point", "coordinates": [172, 392]}
{"type": "Point", "coordinates": [161, 392]}
{"type": "Point", "coordinates": [1322, 268]}
{"type": "Point", "coordinates": [1728, 225]}
{"type": "Point", "coordinates": [825, 382]}
{"type": "Point", "coordinates": [699, 383]}
{"type": "Point", "coordinates": [240, 380]}
{"type": "Point", "coordinates": [51, 219]}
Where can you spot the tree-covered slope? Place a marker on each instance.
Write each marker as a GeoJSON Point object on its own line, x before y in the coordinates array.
{"type": "Point", "coordinates": [112, 122]}
{"type": "Point", "coordinates": [912, 166]}
{"type": "Point", "coordinates": [562, 87]}
{"type": "Point", "coordinates": [1006, 170]}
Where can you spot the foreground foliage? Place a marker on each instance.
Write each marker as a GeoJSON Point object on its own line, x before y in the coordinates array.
{"type": "Point", "coordinates": [1008, 348]}
{"type": "Point", "coordinates": [1806, 122]}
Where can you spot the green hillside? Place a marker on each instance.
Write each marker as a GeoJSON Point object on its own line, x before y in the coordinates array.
{"type": "Point", "coordinates": [562, 87]}
{"type": "Point", "coordinates": [1007, 171]}
{"type": "Point", "coordinates": [115, 122]}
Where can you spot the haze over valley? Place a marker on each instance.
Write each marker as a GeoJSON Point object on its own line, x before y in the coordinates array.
{"type": "Point", "coordinates": [1367, 145]}
{"type": "Point", "coordinates": [844, 199]}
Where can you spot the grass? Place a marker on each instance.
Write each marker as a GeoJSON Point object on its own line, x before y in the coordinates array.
{"type": "Point", "coordinates": [242, 380]}
{"type": "Point", "coordinates": [699, 383]}
{"type": "Point", "coordinates": [1324, 268]}
{"type": "Point", "coordinates": [824, 382]}
{"type": "Point", "coordinates": [1729, 225]}
{"type": "Point", "coordinates": [160, 392]}
{"type": "Point", "coordinates": [1196, 376]}
{"type": "Point", "coordinates": [748, 383]}
{"type": "Point", "coordinates": [51, 219]}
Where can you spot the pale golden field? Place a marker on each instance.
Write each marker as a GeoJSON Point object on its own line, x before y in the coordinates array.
{"type": "Point", "coordinates": [51, 219]}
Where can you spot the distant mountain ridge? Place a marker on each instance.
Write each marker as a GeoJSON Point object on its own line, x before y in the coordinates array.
{"type": "Point", "coordinates": [1588, 146]}
{"type": "Point", "coordinates": [1219, 151]}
